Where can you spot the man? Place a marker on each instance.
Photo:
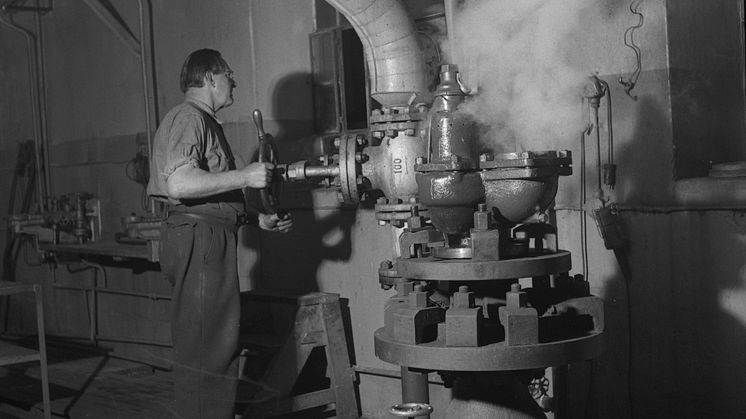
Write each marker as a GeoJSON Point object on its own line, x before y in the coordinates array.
{"type": "Point", "coordinates": [193, 171]}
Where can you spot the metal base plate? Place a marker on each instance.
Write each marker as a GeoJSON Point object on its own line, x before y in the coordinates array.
{"type": "Point", "coordinates": [436, 356]}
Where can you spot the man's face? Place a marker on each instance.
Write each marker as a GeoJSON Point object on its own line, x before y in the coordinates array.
{"type": "Point", "coordinates": [223, 91]}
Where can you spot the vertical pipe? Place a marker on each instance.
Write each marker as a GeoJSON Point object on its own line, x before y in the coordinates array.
{"type": "Point", "coordinates": [450, 10]}
{"type": "Point", "coordinates": [559, 389]}
{"type": "Point", "coordinates": [414, 387]}
{"type": "Point", "coordinates": [41, 76]}
{"type": "Point", "coordinates": [144, 68]}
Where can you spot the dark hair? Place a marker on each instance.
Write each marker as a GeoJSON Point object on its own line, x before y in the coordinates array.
{"type": "Point", "coordinates": [198, 64]}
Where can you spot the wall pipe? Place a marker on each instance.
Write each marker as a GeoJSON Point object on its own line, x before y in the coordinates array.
{"type": "Point", "coordinates": [41, 82]}
{"type": "Point", "coordinates": [94, 337]}
{"type": "Point", "coordinates": [144, 69]}
{"type": "Point", "coordinates": [395, 63]}
{"type": "Point", "coordinates": [34, 97]}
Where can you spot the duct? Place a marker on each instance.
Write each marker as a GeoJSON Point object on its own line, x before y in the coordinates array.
{"type": "Point", "coordinates": [395, 63]}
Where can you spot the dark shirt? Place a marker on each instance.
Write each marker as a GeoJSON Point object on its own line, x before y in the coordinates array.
{"type": "Point", "coordinates": [191, 134]}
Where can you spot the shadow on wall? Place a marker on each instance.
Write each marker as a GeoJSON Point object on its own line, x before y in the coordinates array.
{"type": "Point", "coordinates": [291, 262]}
{"type": "Point", "coordinates": [322, 229]}
{"type": "Point", "coordinates": [685, 293]}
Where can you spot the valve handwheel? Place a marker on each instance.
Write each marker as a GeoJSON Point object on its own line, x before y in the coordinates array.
{"type": "Point", "coordinates": [268, 153]}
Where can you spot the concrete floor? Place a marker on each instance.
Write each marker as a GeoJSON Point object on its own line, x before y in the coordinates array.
{"type": "Point", "coordinates": [87, 382]}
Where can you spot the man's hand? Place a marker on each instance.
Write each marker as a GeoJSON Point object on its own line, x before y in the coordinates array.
{"type": "Point", "coordinates": [257, 175]}
{"type": "Point", "coordinates": [272, 222]}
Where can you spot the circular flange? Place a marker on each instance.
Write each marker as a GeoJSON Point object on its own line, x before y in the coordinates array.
{"type": "Point", "coordinates": [482, 270]}
{"type": "Point", "coordinates": [493, 357]}
{"type": "Point", "coordinates": [348, 169]}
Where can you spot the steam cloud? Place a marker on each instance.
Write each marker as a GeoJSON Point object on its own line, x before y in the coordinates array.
{"type": "Point", "coordinates": [518, 56]}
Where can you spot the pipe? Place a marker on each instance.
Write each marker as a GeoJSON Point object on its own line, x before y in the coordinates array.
{"type": "Point", "coordinates": [450, 10]}
{"type": "Point", "coordinates": [414, 387]}
{"type": "Point", "coordinates": [151, 296]}
{"type": "Point", "coordinates": [395, 64]}
{"type": "Point", "coordinates": [42, 103]}
{"type": "Point", "coordinates": [144, 70]}
{"type": "Point", "coordinates": [34, 96]}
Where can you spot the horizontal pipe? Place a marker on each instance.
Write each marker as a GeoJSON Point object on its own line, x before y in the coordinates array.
{"type": "Point", "coordinates": [150, 296]}
{"type": "Point", "coordinates": [321, 171]}
{"type": "Point", "coordinates": [666, 209]}
{"type": "Point", "coordinates": [381, 372]}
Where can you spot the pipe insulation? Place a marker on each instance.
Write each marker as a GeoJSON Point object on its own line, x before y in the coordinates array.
{"type": "Point", "coordinates": [396, 65]}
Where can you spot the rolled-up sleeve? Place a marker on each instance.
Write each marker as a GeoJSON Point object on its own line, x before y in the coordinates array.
{"type": "Point", "coordinates": [186, 144]}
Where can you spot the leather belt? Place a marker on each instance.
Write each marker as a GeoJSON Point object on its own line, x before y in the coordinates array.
{"type": "Point", "coordinates": [241, 219]}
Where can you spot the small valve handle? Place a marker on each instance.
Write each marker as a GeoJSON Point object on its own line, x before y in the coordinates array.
{"type": "Point", "coordinates": [259, 122]}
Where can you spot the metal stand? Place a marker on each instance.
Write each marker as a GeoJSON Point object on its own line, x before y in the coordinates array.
{"type": "Point", "coordinates": [14, 354]}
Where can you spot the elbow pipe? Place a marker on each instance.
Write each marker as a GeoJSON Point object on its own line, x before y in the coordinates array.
{"type": "Point", "coordinates": [393, 54]}
{"type": "Point", "coordinates": [33, 69]}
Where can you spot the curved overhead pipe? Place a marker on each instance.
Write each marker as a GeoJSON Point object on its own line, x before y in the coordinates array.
{"type": "Point", "coordinates": [395, 63]}
{"type": "Point", "coordinates": [35, 96]}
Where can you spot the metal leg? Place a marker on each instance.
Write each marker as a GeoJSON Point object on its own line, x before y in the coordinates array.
{"type": "Point", "coordinates": [42, 352]}
{"type": "Point", "coordinates": [559, 386]}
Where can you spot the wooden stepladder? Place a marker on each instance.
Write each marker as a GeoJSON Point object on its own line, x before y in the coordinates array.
{"type": "Point", "coordinates": [318, 324]}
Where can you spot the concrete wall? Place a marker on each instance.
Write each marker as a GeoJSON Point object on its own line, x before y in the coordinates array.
{"type": "Point", "coordinates": [675, 318]}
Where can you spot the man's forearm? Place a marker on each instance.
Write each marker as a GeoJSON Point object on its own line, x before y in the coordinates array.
{"type": "Point", "coordinates": [189, 182]}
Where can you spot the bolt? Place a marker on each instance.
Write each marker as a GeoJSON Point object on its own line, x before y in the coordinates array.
{"type": "Point", "coordinates": [361, 141]}
{"type": "Point", "coordinates": [381, 222]}
{"type": "Point", "coordinates": [419, 160]}
{"type": "Point", "coordinates": [413, 200]}
{"type": "Point", "coordinates": [485, 157]}
{"type": "Point", "coordinates": [378, 134]}
{"type": "Point", "coordinates": [382, 201]}
{"type": "Point", "coordinates": [409, 132]}
{"type": "Point", "coordinates": [337, 142]}
{"type": "Point", "coordinates": [360, 180]}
